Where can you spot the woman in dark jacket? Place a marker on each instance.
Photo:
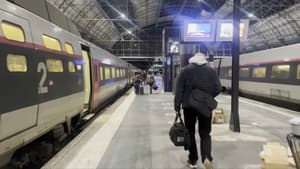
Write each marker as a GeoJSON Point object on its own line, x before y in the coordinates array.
{"type": "Point", "coordinates": [200, 76]}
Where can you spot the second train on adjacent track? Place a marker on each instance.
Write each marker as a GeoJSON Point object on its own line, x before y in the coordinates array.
{"type": "Point", "coordinates": [271, 75]}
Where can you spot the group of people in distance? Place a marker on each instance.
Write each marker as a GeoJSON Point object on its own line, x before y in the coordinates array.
{"type": "Point", "coordinates": [144, 78]}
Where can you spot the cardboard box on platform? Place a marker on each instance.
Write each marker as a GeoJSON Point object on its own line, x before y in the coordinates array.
{"type": "Point", "coordinates": [219, 116]}
{"type": "Point", "coordinates": [274, 156]}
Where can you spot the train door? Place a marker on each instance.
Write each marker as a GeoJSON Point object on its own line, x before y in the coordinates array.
{"type": "Point", "coordinates": [87, 76]}
{"type": "Point", "coordinates": [18, 87]}
{"type": "Point", "coordinates": [128, 74]}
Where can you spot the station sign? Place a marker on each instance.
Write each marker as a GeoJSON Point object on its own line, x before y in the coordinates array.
{"type": "Point", "coordinates": [212, 30]}
{"type": "Point", "coordinates": [199, 30]}
{"type": "Point", "coordinates": [225, 30]}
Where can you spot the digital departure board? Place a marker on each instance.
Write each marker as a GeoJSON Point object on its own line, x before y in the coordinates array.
{"type": "Point", "coordinates": [199, 31]}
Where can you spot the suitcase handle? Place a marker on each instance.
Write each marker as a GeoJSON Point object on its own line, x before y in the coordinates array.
{"type": "Point", "coordinates": [178, 115]}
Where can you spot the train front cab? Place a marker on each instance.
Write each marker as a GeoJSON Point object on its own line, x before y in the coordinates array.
{"type": "Point", "coordinates": [40, 92]}
{"type": "Point", "coordinates": [18, 98]}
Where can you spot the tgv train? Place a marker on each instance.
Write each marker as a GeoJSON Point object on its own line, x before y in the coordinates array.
{"type": "Point", "coordinates": [271, 75]}
{"type": "Point", "coordinates": [49, 79]}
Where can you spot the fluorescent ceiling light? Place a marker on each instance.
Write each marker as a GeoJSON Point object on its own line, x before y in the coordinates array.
{"type": "Point", "coordinates": [123, 16]}
{"type": "Point", "coordinates": [251, 15]}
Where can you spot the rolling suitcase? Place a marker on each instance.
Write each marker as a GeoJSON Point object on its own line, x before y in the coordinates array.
{"type": "Point", "coordinates": [141, 90]}
{"type": "Point", "coordinates": [146, 89]}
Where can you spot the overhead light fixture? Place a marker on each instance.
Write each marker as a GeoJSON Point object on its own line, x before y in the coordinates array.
{"type": "Point", "coordinates": [129, 31]}
{"type": "Point", "coordinates": [123, 16]}
{"type": "Point", "coordinates": [57, 29]}
{"type": "Point", "coordinates": [251, 15]}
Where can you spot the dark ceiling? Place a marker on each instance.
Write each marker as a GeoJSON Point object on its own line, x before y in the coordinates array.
{"type": "Point", "coordinates": [261, 9]}
{"type": "Point", "coordinates": [138, 33]}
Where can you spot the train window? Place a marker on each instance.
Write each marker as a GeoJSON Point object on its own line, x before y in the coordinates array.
{"type": "Point", "coordinates": [280, 72]}
{"type": "Point", "coordinates": [96, 76]}
{"type": "Point", "coordinates": [16, 63]}
{"type": "Point", "coordinates": [298, 71]}
{"type": "Point", "coordinates": [54, 65]}
{"type": "Point", "coordinates": [244, 72]}
{"type": "Point", "coordinates": [71, 67]}
{"type": "Point", "coordinates": [51, 43]}
{"type": "Point", "coordinates": [229, 73]}
{"type": "Point", "coordinates": [121, 73]}
{"type": "Point", "coordinates": [259, 72]}
{"type": "Point", "coordinates": [13, 32]}
{"type": "Point", "coordinates": [78, 67]}
{"type": "Point", "coordinates": [107, 73]}
{"type": "Point", "coordinates": [118, 73]}
{"type": "Point", "coordinates": [101, 73]}
{"type": "Point", "coordinates": [69, 48]}
{"type": "Point", "coordinates": [113, 72]}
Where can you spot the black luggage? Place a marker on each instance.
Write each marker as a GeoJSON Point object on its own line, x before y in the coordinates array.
{"type": "Point", "coordinates": [155, 87]}
{"type": "Point", "coordinates": [179, 134]}
{"type": "Point", "coordinates": [141, 90]}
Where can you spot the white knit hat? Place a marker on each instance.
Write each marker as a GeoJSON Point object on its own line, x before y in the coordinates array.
{"type": "Point", "coordinates": [198, 58]}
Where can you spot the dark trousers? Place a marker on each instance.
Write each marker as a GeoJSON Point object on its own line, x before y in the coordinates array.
{"type": "Point", "coordinates": [150, 86]}
{"type": "Point", "coordinates": [204, 124]}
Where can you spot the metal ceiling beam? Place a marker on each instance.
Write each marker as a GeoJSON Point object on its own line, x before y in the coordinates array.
{"type": "Point", "coordinates": [285, 14]}
{"type": "Point", "coordinates": [277, 32]}
{"type": "Point", "coordinates": [260, 34]}
{"type": "Point", "coordinates": [60, 6]}
{"type": "Point", "coordinates": [96, 15]}
{"type": "Point", "coordinates": [69, 4]}
{"type": "Point", "coordinates": [147, 19]}
{"type": "Point", "coordinates": [82, 10]}
{"type": "Point", "coordinates": [106, 16]}
{"type": "Point", "coordinates": [182, 7]}
{"type": "Point", "coordinates": [160, 2]}
{"type": "Point", "coordinates": [291, 22]}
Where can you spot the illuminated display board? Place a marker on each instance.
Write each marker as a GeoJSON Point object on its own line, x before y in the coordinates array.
{"type": "Point", "coordinates": [225, 30]}
{"type": "Point", "coordinates": [199, 31]}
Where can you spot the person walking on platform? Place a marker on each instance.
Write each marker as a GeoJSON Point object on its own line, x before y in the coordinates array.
{"type": "Point", "coordinates": [150, 81]}
{"type": "Point", "coordinates": [197, 75]}
{"type": "Point", "coordinates": [137, 83]}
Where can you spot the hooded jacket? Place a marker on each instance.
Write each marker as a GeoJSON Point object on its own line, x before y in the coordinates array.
{"type": "Point", "coordinates": [196, 75]}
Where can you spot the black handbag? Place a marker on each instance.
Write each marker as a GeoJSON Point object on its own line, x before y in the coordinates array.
{"type": "Point", "coordinates": [179, 134]}
{"type": "Point", "coordinates": [155, 87]}
{"type": "Point", "coordinates": [201, 102]}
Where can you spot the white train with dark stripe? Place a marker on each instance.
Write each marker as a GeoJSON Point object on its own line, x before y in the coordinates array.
{"type": "Point", "coordinates": [271, 75]}
{"type": "Point", "coordinates": [49, 78]}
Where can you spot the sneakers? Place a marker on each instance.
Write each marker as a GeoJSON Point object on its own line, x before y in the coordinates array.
{"type": "Point", "coordinates": [192, 164]}
{"type": "Point", "coordinates": [207, 164]}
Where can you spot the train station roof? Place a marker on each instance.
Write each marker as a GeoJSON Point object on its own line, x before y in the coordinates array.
{"type": "Point", "coordinates": [273, 23]}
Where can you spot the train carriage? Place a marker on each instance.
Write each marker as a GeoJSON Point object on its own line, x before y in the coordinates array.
{"type": "Point", "coordinates": [271, 75]}
{"type": "Point", "coordinates": [50, 79]}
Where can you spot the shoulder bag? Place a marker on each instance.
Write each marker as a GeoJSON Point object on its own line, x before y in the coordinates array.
{"type": "Point", "coordinates": [201, 101]}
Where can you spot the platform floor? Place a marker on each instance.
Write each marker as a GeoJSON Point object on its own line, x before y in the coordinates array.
{"type": "Point", "coordinates": [133, 134]}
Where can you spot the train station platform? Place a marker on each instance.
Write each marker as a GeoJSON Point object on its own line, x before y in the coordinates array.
{"type": "Point", "coordinates": [133, 134]}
